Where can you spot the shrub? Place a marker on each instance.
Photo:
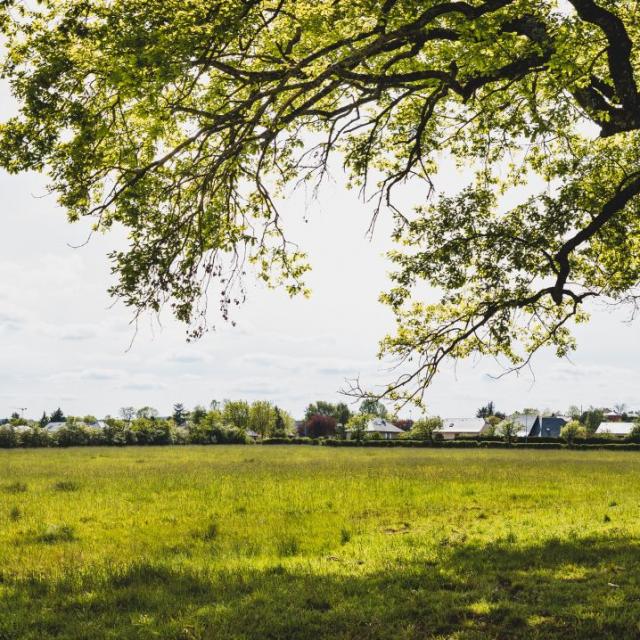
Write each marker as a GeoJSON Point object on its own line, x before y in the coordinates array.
{"type": "Point", "coordinates": [571, 431]}
{"type": "Point", "coordinates": [35, 437]}
{"type": "Point", "coordinates": [16, 487]}
{"type": "Point", "coordinates": [72, 435]}
{"type": "Point", "coordinates": [8, 437]}
{"type": "Point", "coordinates": [318, 426]}
{"type": "Point", "coordinates": [56, 533]}
{"type": "Point", "coordinates": [425, 428]}
{"type": "Point", "coordinates": [356, 427]}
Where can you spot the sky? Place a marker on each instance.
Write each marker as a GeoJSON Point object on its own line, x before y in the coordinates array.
{"type": "Point", "coordinates": [63, 341]}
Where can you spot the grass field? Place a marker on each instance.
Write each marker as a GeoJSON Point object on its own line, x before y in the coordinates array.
{"type": "Point", "coordinates": [313, 542]}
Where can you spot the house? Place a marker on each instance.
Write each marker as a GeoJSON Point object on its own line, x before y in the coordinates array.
{"type": "Point", "coordinates": [527, 424]}
{"type": "Point", "coordinates": [453, 428]}
{"type": "Point", "coordinates": [252, 434]}
{"type": "Point", "coordinates": [615, 428]}
{"type": "Point", "coordinates": [383, 427]}
{"type": "Point", "coordinates": [52, 427]}
{"type": "Point", "coordinates": [612, 416]}
{"type": "Point", "coordinates": [548, 427]}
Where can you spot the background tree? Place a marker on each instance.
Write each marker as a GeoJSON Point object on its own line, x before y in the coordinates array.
{"type": "Point", "coordinates": [320, 408]}
{"type": "Point", "coordinates": [44, 420]}
{"type": "Point", "coordinates": [320, 426]}
{"type": "Point", "coordinates": [574, 412]}
{"type": "Point", "coordinates": [127, 413]}
{"type": "Point", "coordinates": [342, 413]}
{"type": "Point", "coordinates": [147, 413]}
{"type": "Point", "coordinates": [236, 413]}
{"type": "Point", "coordinates": [58, 416]}
{"type": "Point", "coordinates": [198, 414]}
{"type": "Point", "coordinates": [573, 430]}
{"type": "Point", "coordinates": [262, 418]}
{"type": "Point", "coordinates": [186, 126]}
{"type": "Point", "coordinates": [424, 428]}
{"type": "Point", "coordinates": [591, 419]}
{"type": "Point", "coordinates": [279, 429]}
{"type": "Point", "coordinates": [507, 429]}
{"type": "Point", "coordinates": [180, 414]}
{"type": "Point", "coordinates": [373, 407]}
{"type": "Point", "coordinates": [357, 426]}
{"type": "Point", "coordinates": [486, 411]}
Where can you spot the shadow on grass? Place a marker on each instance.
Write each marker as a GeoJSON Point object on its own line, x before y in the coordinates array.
{"type": "Point", "coordinates": [586, 588]}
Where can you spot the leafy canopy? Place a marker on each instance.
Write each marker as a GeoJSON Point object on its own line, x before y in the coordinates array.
{"type": "Point", "coordinates": [186, 120]}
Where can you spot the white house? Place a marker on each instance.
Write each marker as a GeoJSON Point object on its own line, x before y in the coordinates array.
{"type": "Point", "coordinates": [619, 429]}
{"type": "Point", "coordinates": [55, 426]}
{"type": "Point", "coordinates": [527, 423]}
{"type": "Point", "coordinates": [453, 428]}
{"type": "Point", "coordinates": [386, 430]}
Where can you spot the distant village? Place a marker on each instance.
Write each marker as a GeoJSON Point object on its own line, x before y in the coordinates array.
{"type": "Point", "coordinates": [238, 421]}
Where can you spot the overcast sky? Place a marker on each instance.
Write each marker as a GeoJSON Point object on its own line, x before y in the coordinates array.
{"type": "Point", "coordinates": [63, 344]}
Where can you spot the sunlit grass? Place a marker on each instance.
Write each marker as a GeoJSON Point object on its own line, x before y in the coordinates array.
{"type": "Point", "coordinates": [312, 542]}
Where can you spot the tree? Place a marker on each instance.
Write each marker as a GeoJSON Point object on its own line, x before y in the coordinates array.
{"type": "Point", "coordinates": [320, 408]}
{"type": "Point", "coordinates": [147, 413]}
{"type": "Point", "coordinates": [127, 413]}
{"type": "Point", "coordinates": [198, 414]}
{"type": "Point", "coordinates": [262, 418]}
{"type": "Point", "coordinates": [634, 434]}
{"type": "Point", "coordinates": [424, 428]}
{"type": "Point", "coordinates": [58, 416]}
{"type": "Point", "coordinates": [185, 125]}
{"type": "Point", "coordinates": [236, 413]}
{"type": "Point", "coordinates": [342, 413]}
{"type": "Point", "coordinates": [319, 426]}
{"type": "Point", "coordinates": [373, 407]}
{"type": "Point", "coordinates": [591, 419]}
{"type": "Point", "coordinates": [44, 420]}
{"type": "Point", "coordinates": [486, 411]}
{"type": "Point", "coordinates": [180, 414]}
{"type": "Point", "coordinates": [508, 429]}
{"type": "Point", "coordinates": [357, 426]}
{"type": "Point", "coordinates": [574, 412]}
{"type": "Point", "coordinates": [572, 430]}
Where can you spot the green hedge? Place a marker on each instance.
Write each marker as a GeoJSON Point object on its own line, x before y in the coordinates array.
{"type": "Point", "coordinates": [161, 434]}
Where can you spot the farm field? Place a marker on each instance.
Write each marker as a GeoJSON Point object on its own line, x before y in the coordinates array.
{"type": "Point", "coordinates": [311, 542]}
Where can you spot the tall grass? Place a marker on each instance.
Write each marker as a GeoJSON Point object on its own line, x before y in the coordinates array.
{"type": "Point", "coordinates": [288, 542]}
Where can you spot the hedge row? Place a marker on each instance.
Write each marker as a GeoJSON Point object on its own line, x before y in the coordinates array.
{"type": "Point", "coordinates": [162, 434]}
{"type": "Point", "coordinates": [153, 433]}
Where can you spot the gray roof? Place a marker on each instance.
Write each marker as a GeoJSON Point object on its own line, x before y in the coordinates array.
{"type": "Point", "coordinates": [380, 425]}
{"type": "Point", "coordinates": [55, 426]}
{"type": "Point", "coordinates": [549, 426]}
{"type": "Point", "coordinates": [528, 424]}
{"type": "Point", "coordinates": [462, 425]}
{"type": "Point", "coordinates": [615, 428]}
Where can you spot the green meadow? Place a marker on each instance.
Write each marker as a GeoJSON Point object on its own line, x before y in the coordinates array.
{"type": "Point", "coordinates": [315, 542]}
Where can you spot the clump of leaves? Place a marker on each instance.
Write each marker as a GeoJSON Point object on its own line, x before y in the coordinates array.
{"type": "Point", "coordinates": [211, 532]}
{"type": "Point", "coordinates": [606, 518]}
{"type": "Point", "coordinates": [287, 547]}
{"type": "Point", "coordinates": [345, 536]}
{"type": "Point", "coordinates": [66, 485]}
{"type": "Point", "coordinates": [15, 514]}
{"type": "Point", "coordinates": [16, 487]}
{"type": "Point", "coordinates": [56, 533]}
